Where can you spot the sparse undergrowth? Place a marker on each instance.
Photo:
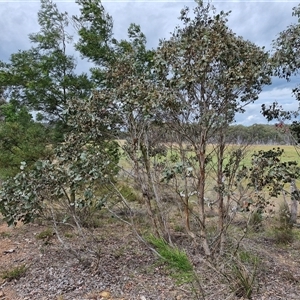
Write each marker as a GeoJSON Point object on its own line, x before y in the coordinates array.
{"type": "Point", "coordinates": [47, 233]}
{"type": "Point", "coordinates": [259, 259]}
{"type": "Point", "coordinates": [14, 273]}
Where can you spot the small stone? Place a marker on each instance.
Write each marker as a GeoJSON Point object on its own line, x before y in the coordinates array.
{"type": "Point", "coordinates": [9, 251]}
{"type": "Point", "coordinates": [105, 294]}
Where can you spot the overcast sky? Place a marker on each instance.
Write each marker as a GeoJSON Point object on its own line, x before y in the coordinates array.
{"type": "Point", "coordinates": [257, 21]}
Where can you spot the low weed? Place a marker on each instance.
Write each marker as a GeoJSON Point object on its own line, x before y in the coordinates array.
{"type": "Point", "coordinates": [45, 234]}
{"type": "Point", "coordinates": [69, 235]}
{"type": "Point", "coordinates": [175, 259]}
{"type": "Point", "coordinates": [256, 220]}
{"type": "Point", "coordinates": [5, 235]}
{"type": "Point", "coordinates": [14, 273]}
{"type": "Point", "coordinates": [284, 216]}
{"type": "Point", "coordinates": [284, 234]}
{"type": "Point", "coordinates": [243, 273]}
{"type": "Point", "coordinates": [247, 257]}
{"type": "Point", "coordinates": [128, 193]}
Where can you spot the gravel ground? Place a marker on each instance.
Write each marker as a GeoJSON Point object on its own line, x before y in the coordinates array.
{"type": "Point", "coordinates": [127, 269]}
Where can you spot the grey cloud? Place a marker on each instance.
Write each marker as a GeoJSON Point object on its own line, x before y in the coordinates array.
{"type": "Point", "coordinates": [281, 95]}
{"type": "Point", "coordinates": [259, 22]}
{"type": "Point", "coordinates": [17, 21]}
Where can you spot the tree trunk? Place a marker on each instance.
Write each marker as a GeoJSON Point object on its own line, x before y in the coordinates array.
{"type": "Point", "coordinates": [294, 203]}
{"type": "Point", "coordinates": [186, 191]}
{"type": "Point", "coordinates": [221, 208]}
{"type": "Point", "coordinates": [201, 190]}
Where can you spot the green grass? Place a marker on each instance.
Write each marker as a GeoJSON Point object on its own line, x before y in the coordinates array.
{"type": "Point", "coordinates": [290, 153]}
{"type": "Point", "coordinates": [14, 273]}
{"type": "Point", "coordinates": [176, 260]}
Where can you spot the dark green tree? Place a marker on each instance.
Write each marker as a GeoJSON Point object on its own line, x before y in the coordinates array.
{"type": "Point", "coordinates": [95, 31]}
{"type": "Point", "coordinates": [21, 139]}
{"type": "Point", "coordinates": [44, 77]}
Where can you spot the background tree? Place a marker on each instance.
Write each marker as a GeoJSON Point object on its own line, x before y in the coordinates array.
{"type": "Point", "coordinates": [44, 77]}
{"type": "Point", "coordinates": [21, 139]}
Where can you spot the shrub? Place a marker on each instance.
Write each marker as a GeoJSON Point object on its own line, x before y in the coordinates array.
{"type": "Point", "coordinates": [284, 216]}
{"type": "Point", "coordinates": [243, 273]}
{"type": "Point", "coordinates": [284, 233]}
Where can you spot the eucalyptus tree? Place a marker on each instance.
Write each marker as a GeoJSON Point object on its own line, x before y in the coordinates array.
{"type": "Point", "coordinates": [123, 71]}
{"type": "Point", "coordinates": [44, 77]}
{"type": "Point", "coordinates": [286, 52]}
{"type": "Point", "coordinates": [286, 65]}
{"type": "Point", "coordinates": [68, 181]}
{"type": "Point", "coordinates": [208, 75]}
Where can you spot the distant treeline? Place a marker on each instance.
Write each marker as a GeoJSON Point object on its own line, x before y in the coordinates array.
{"type": "Point", "coordinates": [237, 134]}
{"type": "Point", "coordinates": [259, 134]}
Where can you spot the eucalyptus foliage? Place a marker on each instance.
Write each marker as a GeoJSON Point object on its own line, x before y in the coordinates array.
{"type": "Point", "coordinates": [207, 75]}
{"type": "Point", "coordinates": [268, 170]}
{"type": "Point", "coordinates": [188, 89]}
{"type": "Point", "coordinates": [70, 181]}
{"type": "Point", "coordinates": [285, 61]}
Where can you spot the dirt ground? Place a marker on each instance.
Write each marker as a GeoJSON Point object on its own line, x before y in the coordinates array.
{"type": "Point", "coordinates": [128, 270]}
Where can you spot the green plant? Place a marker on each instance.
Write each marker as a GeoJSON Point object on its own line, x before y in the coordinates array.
{"type": "Point", "coordinates": [47, 233]}
{"type": "Point", "coordinates": [283, 236]}
{"type": "Point", "coordinates": [172, 255]}
{"type": "Point", "coordinates": [175, 259]}
{"type": "Point", "coordinates": [284, 216]}
{"type": "Point", "coordinates": [243, 281]}
{"type": "Point", "coordinates": [14, 273]}
{"type": "Point", "coordinates": [69, 235]}
{"type": "Point", "coordinates": [256, 220]}
{"type": "Point", "coordinates": [247, 257]}
{"type": "Point", "coordinates": [128, 192]}
{"type": "Point", "coordinates": [243, 273]}
{"type": "Point", "coordinates": [179, 228]}
{"type": "Point", "coordinates": [5, 234]}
